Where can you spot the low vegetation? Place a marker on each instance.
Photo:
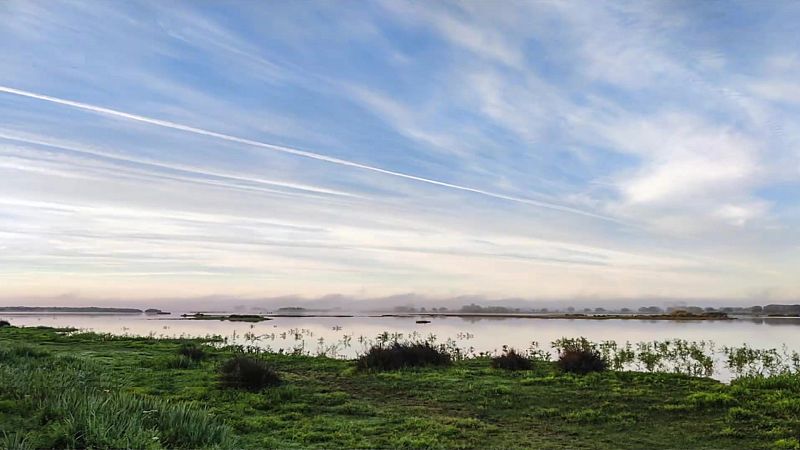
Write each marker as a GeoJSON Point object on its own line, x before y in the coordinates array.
{"type": "Point", "coordinates": [398, 355]}
{"type": "Point", "coordinates": [580, 356]}
{"type": "Point", "coordinates": [245, 372]}
{"type": "Point", "coordinates": [67, 389]}
{"type": "Point", "coordinates": [511, 360]}
{"type": "Point", "coordinates": [54, 400]}
{"type": "Point", "coordinates": [581, 361]}
{"type": "Point", "coordinates": [192, 351]}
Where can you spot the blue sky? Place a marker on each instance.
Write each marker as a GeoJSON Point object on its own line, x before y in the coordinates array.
{"type": "Point", "coordinates": [543, 150]}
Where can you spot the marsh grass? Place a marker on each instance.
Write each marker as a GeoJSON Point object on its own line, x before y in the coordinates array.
{"type": "Point", "coordinates": [77, 407]}
{"type": "Point", "coordinates": [399, 355]}
{"type": "Point", "coordinates": [82, 390]}
{"type": "Point", "coordinates": [192, 351]}
{"type": "Point", "coordinates": [579, 356]}
{"type": "Point", "coordinates": [20, 350]}
{"type": "Point", "coordinates": [248, 373]}
{"type": "Point", "coordinates": [14, 441]}
{"type": "Point", "coordinates": [510, 359]}
{"type": "Point", "coordinates": [180, 362]}
{"type": "Point", "coordinates": [581, 361]}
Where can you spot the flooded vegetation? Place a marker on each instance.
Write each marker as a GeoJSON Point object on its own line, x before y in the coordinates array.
{"type": "Point", "coordinates": [720, 349]}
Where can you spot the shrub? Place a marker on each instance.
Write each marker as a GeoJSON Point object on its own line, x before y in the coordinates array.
{"type": "Point", "coordinates": [511, 360]}
{"type": "Point", "coordinates": [4, 323]}
{"type": "Point", "coordinates": [581, 361]}
{"type": "Point", "coordinates": [243, 372]}
{"type": "Point", "coordinates": [397, 356]}
{"type": "Point", "coordinates": [192, 352]}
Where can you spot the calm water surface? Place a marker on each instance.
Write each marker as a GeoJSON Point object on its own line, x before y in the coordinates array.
{"type": "Point", "coordinates": [349, 336]}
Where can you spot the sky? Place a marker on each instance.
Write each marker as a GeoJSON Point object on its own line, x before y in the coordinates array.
{"type": "Point", "coordinates": [541, 150]}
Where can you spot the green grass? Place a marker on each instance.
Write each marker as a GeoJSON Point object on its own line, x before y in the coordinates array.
{"type": "Point", "coordinates": [90, 390]}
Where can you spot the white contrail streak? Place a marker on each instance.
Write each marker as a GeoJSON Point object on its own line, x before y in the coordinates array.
{"type": "Point", "coordinates": [177, 167]}
{"type": "Point", "coordinates": [293, 151]}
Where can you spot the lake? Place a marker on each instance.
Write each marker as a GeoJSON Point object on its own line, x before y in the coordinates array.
{"type": "Point", "coordinates": [348, 336]}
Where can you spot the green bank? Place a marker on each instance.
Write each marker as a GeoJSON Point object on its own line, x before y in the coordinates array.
{"type": "Point", "coordinates": [76, 390]}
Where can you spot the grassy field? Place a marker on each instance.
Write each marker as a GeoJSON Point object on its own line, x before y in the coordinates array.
{"type": "Point", "coordinates": [90, 390]}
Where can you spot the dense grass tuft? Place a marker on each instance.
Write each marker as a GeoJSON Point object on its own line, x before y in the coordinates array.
{"type": "Point", "coordinates": [511, 360]}
{"type": "Point", "coordinates": [77, 407]}
{"type": "Point", "coordinates": [14, 441]}
{"type": "Point", "coordinates": [705, 400]}
{"type": "Point", "coordinates": [244, 372]}
{"type": "Point", "coordinates": [192, 351]}
{"type": "Point", "coordinates": [397, 356]}
{"type": "Point", "coordinates": [20, 350]}
{"type": "Point", "coordinates": [180, 362]}
{"type": "Point", "coordinates": [581, 361]}
{"type": "Point", "coordinates": [786, 381]}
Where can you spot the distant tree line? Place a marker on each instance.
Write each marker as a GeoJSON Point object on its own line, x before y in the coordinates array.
{"type": "Point", "coordinates": [472, 308]}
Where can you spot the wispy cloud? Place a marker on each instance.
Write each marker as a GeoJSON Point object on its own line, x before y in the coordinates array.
{"type": "Point", "coordinates": [292, 151]}
{"type": "Point", "coordinates": [545, 149]}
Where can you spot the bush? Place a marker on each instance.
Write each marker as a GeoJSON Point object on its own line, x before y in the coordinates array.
{"type": "Point", "coordinates": [243, 372]}
{"type": "Point", "coordinates": [397, 356]}
{"type": "Point", "coordinates": [192, 352]}
{"type": "Point", "coordinates": [511, 360]}
{"type": "Point", "coordinates": [4, 323]}
{"type": "Point", "coordinates": [581, 361]}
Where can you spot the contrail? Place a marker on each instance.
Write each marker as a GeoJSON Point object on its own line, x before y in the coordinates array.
{"type": "Point", "coordinates": [175, 167]}
{"type": "Point", "coordinates": [294, 151]}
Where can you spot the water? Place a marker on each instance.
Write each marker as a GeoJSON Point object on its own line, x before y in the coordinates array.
{"type": "Point", "coordinates": [346, 337]}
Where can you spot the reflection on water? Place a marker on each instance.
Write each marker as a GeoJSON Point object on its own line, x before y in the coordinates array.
{"type": "Point", "coordinates": [348, 336]}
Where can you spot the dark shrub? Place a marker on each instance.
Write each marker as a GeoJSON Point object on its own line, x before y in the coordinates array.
{"type": "Point", "coordinates": [4, 323]}
{"type": "Point", "coordinates": [511, 360]}
{"type": "Point", "coordinates": [397, 356]}
{"type": "Point", "coordinates": [192, 352]}
{"type": "Point", "coordinates": [581, 361]}
{"type": "Point", "coordinates": [243, 372]}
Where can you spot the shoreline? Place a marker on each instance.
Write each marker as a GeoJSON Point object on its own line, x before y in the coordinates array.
{"type": "Point", "coordinates": [376, 314]}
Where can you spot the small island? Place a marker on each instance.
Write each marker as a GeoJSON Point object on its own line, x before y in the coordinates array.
{"type": "Point", "coordinates": [228, 317]}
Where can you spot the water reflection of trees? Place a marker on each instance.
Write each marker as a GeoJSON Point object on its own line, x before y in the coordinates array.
{"type": "Point", "coordinates": [791, 321]}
